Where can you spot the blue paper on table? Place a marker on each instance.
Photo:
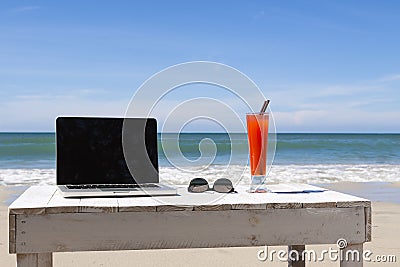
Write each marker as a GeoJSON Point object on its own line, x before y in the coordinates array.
{"type": "Point", "coordinates": [302, 191]}
{"type": "Point", "coordinates": [295, 189]}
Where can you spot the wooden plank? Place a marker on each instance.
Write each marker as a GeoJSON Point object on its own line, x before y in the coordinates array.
{"type": "Point", "coordinates": [45, 259]}
{"type": "Point", "coordinates": [329, 198]}
{"type": "Point", "coordinates": [247, 206]}
{"type": "Point", "coordinates": [33, 201]}
{"type": "Point", "coordinates": [286, 205]}
{"type": "Point", "coordinates": [11, 234]}
{"type": "Point", "coordinates": [348, 204]}
{"type": "Point", "coordinates": [287, 188]}
{"type": "Point", "coordinates": [137, 204]}
{"type": "Point", "coordinates": [59, 204]}
{"type": "Point", "coordinates": [295, 256]}
{"type": "Point", "coordinates": [28, 211]}
{"type": "Point", "coordinates": [137, 209]}
{"type": "Point", "coordinates": [368, 223]}
{"type": "Point", "coordinates": [242, 201]}
{"type": "Point", "coordinates": [319, 205]}
{"type": "Point", "coordinates": [102, 205]}
{"type": "Point", "coordinates": [352, 256]}
{"type": "Point", "coordinates": [35, 260]}
{"type": "Point", "coordinates": [166, 208]}
{"type": "Point", "coordinates": [160, 230]}
{"type": "Point", "coordinates": [37, 200]}
{"type": "Point", "coordinates": [308, 187]}
{"type": "Point", "coordinates": [326, 198]}
{"type": "Point", "coordinates": [270, 200]}
{"type": "Point", "coordinates": [343, 198]}
{"type": "Point", "coordinates": [199, 201]}
{"type": "Point", "coordinates": [212, 207]}
{"type": "Point", "coordinates": [27, 260]}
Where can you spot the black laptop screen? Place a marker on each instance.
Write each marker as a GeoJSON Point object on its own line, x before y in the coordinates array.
{"type": "Point", "coordinates": [90, 151]}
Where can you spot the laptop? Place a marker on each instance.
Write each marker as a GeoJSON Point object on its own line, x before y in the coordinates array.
{"type": "Point", "coordinates": [91, 160]}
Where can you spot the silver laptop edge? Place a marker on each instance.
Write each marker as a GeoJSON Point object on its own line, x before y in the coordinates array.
{"type": "Point", "coordinates": [109, 192]}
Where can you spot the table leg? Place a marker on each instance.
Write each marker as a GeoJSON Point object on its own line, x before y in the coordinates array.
{"type": "Point", "coordinates": [35, 260]}
{"type": "Point", "coordinates": [352, 256]}
{"type": "Point", "coordinates": [299, 249]}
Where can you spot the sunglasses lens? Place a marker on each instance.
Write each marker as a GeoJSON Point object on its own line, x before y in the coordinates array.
{"type": "Point", "coordinates": [223, 186]}
{"type": "Point", "coordinates": [198, 185]}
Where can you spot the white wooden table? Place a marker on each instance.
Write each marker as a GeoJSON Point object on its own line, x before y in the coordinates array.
{"type": "Point", "coordinates": [41, 222]}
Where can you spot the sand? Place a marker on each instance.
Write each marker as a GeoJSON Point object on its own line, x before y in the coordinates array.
{"type": "Point", "coordinates": [385, 238]}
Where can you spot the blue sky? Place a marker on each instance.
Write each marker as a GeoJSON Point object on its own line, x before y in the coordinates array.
{"type": "Point", "coordinates": [327, 66]}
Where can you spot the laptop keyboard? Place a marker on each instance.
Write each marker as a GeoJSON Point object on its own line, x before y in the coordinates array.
{"type": "Point", "coordinates": [116, 186]}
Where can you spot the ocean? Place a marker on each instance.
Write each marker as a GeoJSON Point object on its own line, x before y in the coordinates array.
{"type": "Point", "coordinates": [29, 158]}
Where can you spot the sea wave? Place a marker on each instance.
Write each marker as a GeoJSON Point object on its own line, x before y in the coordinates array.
{"type": "Point", "coordinates": [238, 173]}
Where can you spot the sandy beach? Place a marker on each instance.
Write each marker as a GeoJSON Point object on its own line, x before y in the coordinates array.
{"type": "Point", "coordinates": [385, 236]}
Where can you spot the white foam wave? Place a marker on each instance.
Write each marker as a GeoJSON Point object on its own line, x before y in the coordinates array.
{"type": "Point", "coordinates": [335, 173]}
{"type": "Point", "coordinates": [27, 176]}
{"type": "Point", "coordinates": [279, 173]}
{"type": "Point", "coordinates": [295, 174]}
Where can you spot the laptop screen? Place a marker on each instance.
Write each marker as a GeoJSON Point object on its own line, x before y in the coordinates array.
{"type": "Point", "coordinates": [90, 150]}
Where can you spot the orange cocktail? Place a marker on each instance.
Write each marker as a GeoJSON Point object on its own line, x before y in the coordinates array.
{"type": "Point", "coordinates": [257, 131]}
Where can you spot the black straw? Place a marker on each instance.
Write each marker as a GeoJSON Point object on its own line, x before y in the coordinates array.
{"type": "Point", "coordinates": [264, 107]}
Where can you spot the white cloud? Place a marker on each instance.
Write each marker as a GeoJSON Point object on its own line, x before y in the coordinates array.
{"type": "Point", "coordinates": [38, 113]}
{"type": "Point", "coordinates": [25, 9]}
{"type": "Point", "coordinates": [368, 107]}
{"type": "Point", "coordinates": [259, 15]}
{"type": "Point", "coordinates": [337, 120]}
{"type": "Point", "coordinates": [389, 78]}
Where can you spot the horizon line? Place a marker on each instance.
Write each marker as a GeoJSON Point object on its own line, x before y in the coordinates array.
{"type": "Point", "coordinates": [212, 132]}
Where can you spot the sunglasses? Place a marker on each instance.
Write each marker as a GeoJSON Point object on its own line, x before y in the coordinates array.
{"type": "Point", "coordinates": [200, 185]}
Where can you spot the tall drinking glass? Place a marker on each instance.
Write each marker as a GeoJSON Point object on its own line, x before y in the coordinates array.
{"type": "Point", "coordinates": [257, 132]}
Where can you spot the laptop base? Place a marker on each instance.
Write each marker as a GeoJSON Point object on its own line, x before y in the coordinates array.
{"type": "Point", "coordinates": [100, 191]}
